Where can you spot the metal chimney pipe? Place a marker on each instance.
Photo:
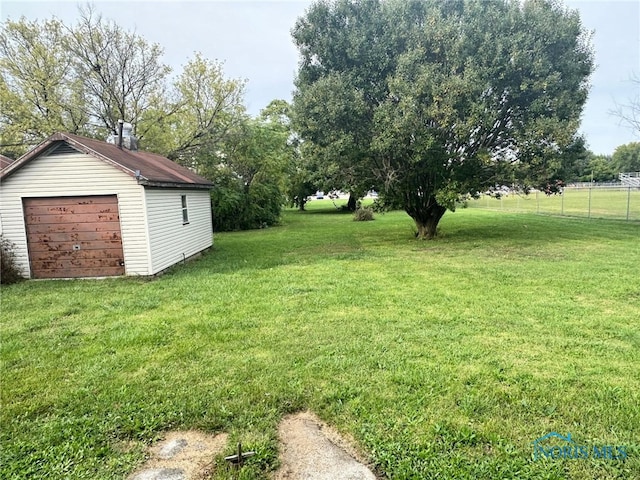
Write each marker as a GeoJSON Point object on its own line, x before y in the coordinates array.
{"type": "Point", "coordinates": [120, 125]}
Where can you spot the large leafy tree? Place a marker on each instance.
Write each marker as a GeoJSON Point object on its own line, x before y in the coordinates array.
{"type": "Point", "coordinates": [599, 168]}
{"type": "Point", "coordinates": [345, 61]}
{"type": "Point", "coordinates": [626, 158]}
{"type": "Point", "coordinates": [39, 92]}
{"type": "Point", "coordinates": [83, 78]}
{"type": "Point", "coordinates": [301, 179]}
{"type": "Point", "coordinates": [432, 100]}
{"type": "Point", "coordinates": [201, 111]}
{"type": "Point", "coordinates": [80, 79]}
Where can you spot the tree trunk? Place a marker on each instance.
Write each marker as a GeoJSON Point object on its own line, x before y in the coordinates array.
{"type": "Point", "coordinates": [427, 221]}
{"type": "Point", "coordinates": [352, 203]}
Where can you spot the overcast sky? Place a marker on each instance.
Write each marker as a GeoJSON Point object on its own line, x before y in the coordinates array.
{"type": "Point", "coordinates": [253, 40]}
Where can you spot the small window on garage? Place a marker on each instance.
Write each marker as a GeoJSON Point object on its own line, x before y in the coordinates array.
{"type": "Point", "coordinates": [185, 210]}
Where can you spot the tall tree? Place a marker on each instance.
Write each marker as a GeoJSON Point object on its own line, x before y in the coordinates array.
{"type": "Point", "coordinates": [39, 91]}
{"type": "Point", "coordinates": [300, 175]}
{"type": "Point", "coordinates": [80, 79]}
{"type": "Point", "coordinates": [432, 100]}
{"type": "Point", "coordinates": [122, 72]}
{"type": "Point", "coordinates": [207, 107]}
{"type": "Point", "coordinates": [83, 78]}
{"type": "Point", "coordinates": [599, 168]}
{"type": "Point", "coordinates": [345, 60]}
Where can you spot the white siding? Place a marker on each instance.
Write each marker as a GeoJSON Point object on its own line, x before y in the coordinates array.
{"type": "Point", "coordinates": [76, 175]}
{"type": "Point", "coordinates": [170, 240]}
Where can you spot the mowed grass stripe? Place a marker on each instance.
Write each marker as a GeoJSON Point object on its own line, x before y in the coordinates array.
{"type": "Point", "coordinates": [442, 359]}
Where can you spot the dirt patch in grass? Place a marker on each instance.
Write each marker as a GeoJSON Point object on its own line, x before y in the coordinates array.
{"type": "Point", "coordinates": [182, 455]}
{"type": "Point", "coordinates": [310, 449]}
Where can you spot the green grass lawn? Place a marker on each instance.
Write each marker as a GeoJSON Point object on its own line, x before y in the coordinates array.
{"type": "Point", "coordinates": [441, 359]}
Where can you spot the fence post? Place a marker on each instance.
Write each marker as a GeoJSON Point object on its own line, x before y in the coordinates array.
{"type": "Point", "coordinates": [628, 201]}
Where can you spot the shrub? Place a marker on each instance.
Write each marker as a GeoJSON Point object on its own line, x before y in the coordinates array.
{"type": "Point", "coordinates": [249, 177]}
{"type": "Point", "coordinates": [10, 272]}
{"type": "Point", "coordinates": [243, 207]}
{"type": "Point", "coordinates": [363, 214]}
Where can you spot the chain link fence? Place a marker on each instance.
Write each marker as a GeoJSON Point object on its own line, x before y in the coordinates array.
{"type": "Point", "coordinates": [613, 201]}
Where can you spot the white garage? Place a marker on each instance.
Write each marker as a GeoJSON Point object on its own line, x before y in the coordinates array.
{"type": "Point", "coordinates": [79, 207]}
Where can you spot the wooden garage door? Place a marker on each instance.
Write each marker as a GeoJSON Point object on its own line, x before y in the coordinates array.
{"type": "Point", "coordinates": [71, 237]}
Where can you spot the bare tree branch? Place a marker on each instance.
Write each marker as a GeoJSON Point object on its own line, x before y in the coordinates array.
{"type": "Point", "coordinates": [629, 114]}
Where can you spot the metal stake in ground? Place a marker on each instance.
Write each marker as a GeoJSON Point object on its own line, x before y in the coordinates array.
{"type": "Point", "coordinates": [239, 458]}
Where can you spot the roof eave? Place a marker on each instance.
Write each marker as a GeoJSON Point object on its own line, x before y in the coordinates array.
{"type": "Point", "coordinates": [57, 137]}
{"type": "Point", "coordinates": [197, 186]}
{"type": "Point", "coordinates": [60, 137]}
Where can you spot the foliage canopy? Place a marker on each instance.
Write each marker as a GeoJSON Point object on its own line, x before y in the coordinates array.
{"type": "Point", "coordinates": [626, 158]}
{"type": "Point", "coordinates": [80, 79]}
{"type": "Point", "coordinates": [250, 176]}
{"type": "Point", "coordinates": [427, 101]}
{"type": "Point", "coordinates": [83, 78]}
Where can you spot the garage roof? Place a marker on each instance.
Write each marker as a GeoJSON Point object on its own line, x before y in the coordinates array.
{"type": "Point", "coordinates": [148, 168]}
{"type": "Point", "coordinates": [5, 162]}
